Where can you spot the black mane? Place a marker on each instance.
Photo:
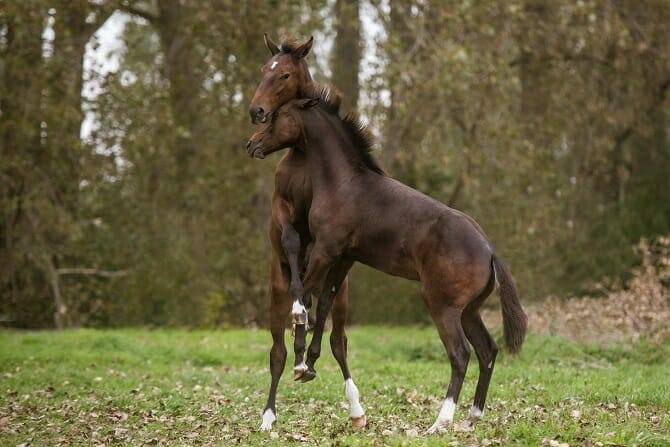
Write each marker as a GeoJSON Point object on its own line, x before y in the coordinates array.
{"type": "Point", "coordinates": [363, 141]}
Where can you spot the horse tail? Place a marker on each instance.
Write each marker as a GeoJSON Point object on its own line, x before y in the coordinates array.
{"type": "Point", "coordinates": [515, 321]}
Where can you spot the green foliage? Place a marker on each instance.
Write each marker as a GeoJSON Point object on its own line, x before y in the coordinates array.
{"type": "Point", "coordinates": [131, 387]}
{"type": "Point", "coordinates": [546, 121]}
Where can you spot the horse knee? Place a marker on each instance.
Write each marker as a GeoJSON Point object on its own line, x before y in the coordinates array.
{"type": "Point", "coordinates": [296, 290]}
{"type": "Point", "coordinates": [290, 241]}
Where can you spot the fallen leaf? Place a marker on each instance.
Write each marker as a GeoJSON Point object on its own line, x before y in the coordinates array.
{"type": "Point", "coordinates": [412, 432]}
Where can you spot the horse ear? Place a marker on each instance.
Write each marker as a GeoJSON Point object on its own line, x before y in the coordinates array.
{"type": "Point", "coordinates": [307, 103]}
{"type": "Point", "coordinates": [274, 49]}
{"type": "Point", "coordinates": [303, 50]}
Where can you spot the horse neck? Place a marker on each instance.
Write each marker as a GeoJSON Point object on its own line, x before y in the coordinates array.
{"type": "Point", "coordinates": [330, 156]}
{"type": "Point", "coordinates": [306, 83]}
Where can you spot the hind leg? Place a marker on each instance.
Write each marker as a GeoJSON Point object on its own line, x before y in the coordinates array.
{"type": "Point", "coordinates": [447, 318]}
{"type": "Point", "coordinates": [486, 351]}
{"type": "Point", "coordinates": [338, 344]}
{"type": "Point", "coordinates": [484, 345]}
{"type": "Point", "coordinates": [280, 307]}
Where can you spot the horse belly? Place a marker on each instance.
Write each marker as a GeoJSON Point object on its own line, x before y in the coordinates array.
{"type": "Point", "coordinates": [385, 254]}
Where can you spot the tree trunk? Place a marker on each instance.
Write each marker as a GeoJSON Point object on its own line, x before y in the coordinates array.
{"type": "Point", "coordinates": [346, 54]}
{"type": "Point", "coordinates": [532, 41]}
{"type": "Point", "coordinates": [175, 28]}
{"type": "Point", "coordinates": [72, 28]}
{"type": "Point", "coordinates": [21, 86]}
{"type": "Point", "coordinates": [399, 41]}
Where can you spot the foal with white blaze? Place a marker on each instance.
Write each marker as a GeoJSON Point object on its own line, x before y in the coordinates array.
{"type": "Point", "coordinates": [285, 77]}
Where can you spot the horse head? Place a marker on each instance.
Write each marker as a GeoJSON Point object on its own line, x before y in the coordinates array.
{"type": "Point", "coordinates": [285, 77]}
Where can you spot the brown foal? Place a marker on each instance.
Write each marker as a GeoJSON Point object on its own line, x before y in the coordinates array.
{"type": "Point", "coordinates": [285, 77]}
{"type": "Point", "coordinates": [358, 213]}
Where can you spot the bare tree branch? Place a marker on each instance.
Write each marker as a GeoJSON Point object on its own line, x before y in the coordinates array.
{"type": "Point", "coordinates": [146, 15]}
{"type": "Point", "coordinates": [93, 272]}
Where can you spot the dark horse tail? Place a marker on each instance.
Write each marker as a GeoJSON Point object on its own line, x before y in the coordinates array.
{"type": "Point", "coordinates": [515, 321]}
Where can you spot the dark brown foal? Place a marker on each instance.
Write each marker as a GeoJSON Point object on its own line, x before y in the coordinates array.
{"type": "Point", "coordinates": [286, 76]}
{"type": "Point", "coordinates": [358, 213]}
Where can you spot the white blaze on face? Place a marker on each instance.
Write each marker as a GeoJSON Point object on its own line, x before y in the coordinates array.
{"type": "Point", "coordinates": [274, 64]}
{"type": "Point", "coordinates": [445, 417]}
{"type": "Point", "coordinates": [268, 419]}
{"type": "Point", "coordinates": [355, 408]}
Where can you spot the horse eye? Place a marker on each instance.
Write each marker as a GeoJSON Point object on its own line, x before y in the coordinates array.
{"type": "Point", "coordinates": [285, 76]}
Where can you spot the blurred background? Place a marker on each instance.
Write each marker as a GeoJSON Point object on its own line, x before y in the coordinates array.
{"type": "Point", "coordinates": [126, 196]}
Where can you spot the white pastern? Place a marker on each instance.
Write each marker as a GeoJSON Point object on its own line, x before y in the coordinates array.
{"type": "Point", "coordinates": [274, 64]}
{"type": "Point", "coordinates": [300, 368]}
{"type": "Point", "coordinates": [355, 408]}
{"type": "Point", "coordinates": [445, 417]}
{"type": "Point", "coordinates": [268, 419]}
{"type": "Point", "coordinates": [476, 413]}
{"type": "Point", "coordinates": [298, 308]}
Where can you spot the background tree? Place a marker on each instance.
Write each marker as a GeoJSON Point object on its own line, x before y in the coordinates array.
{"type": "Point", "coordinates": [346, 55]}
{"type": "Point", "coordinates": [547, 121]}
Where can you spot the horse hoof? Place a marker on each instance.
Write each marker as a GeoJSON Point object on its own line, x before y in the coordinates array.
{"type": "Point", "coordinates": [437, 429]}
{"type": "Point", "coordinates": [466, 425]}
{"type": "Point", "coordinates": [308, 375]}
{"type": "Point", "coordinates": [359, 422]}
{"type": "Point", "coordinates": [299, 371]}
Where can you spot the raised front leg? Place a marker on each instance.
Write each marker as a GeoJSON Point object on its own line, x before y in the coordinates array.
{"type": "Point", "coordinates": [331, 287]}
{"type": "Point", "coordinates": [290, 245]}
{"type": "Point", "coordinates": [290, 240]}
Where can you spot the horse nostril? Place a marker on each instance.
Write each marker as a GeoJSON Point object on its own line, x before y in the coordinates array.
{"type": "Point", "coordinates": [257, 114]}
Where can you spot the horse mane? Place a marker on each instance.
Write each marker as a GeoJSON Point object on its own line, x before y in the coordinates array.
{"type": "Point", "coordinates": [330, 101]}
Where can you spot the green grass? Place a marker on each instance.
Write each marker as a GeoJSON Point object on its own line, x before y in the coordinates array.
{"type": "Point", "coordinates": [131, 387]}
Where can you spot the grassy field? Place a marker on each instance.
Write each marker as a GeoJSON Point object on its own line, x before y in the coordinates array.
{"type": "Point", "coordinates": [132, 387]}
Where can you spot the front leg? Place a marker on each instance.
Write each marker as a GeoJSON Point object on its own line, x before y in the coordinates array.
{"type": "Point", "coordinates": [290, 244]}
{"type": "Point", "coordinates": [330, 288]}
{"type": "Point", "coordinates": [318, 266]}
{"type": "Point", "coordinates": [290, 240]}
